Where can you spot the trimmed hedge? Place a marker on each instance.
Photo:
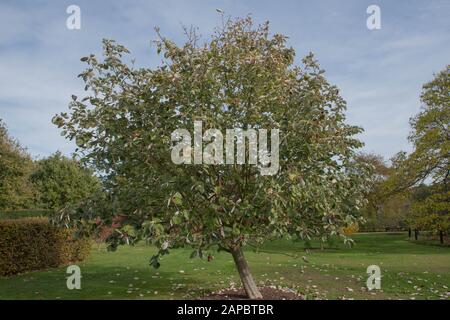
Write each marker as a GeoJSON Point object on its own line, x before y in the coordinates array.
{"type": "Point", "coordinates": [17, 214]}
{"type": "Point", "coordinates": [33, 244]}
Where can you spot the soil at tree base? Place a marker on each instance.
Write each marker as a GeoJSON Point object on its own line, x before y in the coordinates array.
{"type": "Point", "coordinates": [268, 293]}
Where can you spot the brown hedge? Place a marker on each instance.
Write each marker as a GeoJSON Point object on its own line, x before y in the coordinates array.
{"type": "Point", "coordinates": [33, 244]}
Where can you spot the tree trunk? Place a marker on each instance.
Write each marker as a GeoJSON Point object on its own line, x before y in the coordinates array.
{"type": "Point", "coordinates": [441, 237]}
{"type": "Point", "coordinates": [244, 272]}
{"type": "Point", "coordinates": [409, 232]}
{"type": "Point", "coordinates": [416, 234]}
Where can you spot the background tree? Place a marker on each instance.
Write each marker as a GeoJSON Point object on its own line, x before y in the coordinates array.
{"type": "Point", "coordinates": [430, 210]}
{"type": "Point", "coordinates": [241, 78]}
{"type": "Point", "coordinates": [385, 210]}
{"type": "Point", "coordinates": [16, 191]}
{"type": "Point", "coordinates": [430, 160]}
{"type": "Point", "coordinates": [60, 181]}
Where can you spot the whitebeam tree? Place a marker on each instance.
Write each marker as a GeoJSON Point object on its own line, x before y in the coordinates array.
{"type": "Point", "coordinates": [242, 77]}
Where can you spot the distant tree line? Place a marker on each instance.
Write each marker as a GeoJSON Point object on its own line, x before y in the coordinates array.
{"type": "Point", "coordinates": [48, 183]}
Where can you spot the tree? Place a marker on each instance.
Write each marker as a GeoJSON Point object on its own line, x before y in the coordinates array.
{"type": "Point", "coordinates": [384, 209]}
{"type": "Point", "coordinates": [430, 160]}
{"type": "Point", "coordinates": [241, 78]}
{"type": "Point", "coordinates": [15, 166]}
{"type": "Point", "coordinates": [430, 131]}
{"type": "Point", "coordinates": [430, 210]}
{"type": "Point", "coordinates": [377, 196]}
{"type": "Point", "coordinates": [60, 181]}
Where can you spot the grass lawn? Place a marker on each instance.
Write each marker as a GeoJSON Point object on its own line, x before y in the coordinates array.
{"type": "Point", "coordinates": [409, 271]}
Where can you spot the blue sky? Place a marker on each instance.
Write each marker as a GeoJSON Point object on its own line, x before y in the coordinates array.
{"type": "Point", "coordinates": [379, 72]}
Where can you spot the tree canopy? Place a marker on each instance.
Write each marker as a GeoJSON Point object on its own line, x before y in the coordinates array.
{"type": "Point", "coordinates": [242, 77]}
{"type": "Point", "coordinates": [429, 162]}
{"type": "Point", "coordinates": [384, 209]}
{"type": "Point", "coordinates": [15, 166]}
{"type": "Point", "coordinates": [60, 181]}
{"type": "Point", "coordinates": [430, 137]}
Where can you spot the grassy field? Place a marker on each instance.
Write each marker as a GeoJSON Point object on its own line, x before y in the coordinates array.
{"type": "Point", "coordinates": [409, 271]}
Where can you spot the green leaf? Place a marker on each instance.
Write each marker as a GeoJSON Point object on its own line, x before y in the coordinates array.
{"type": "Point", "coordinates": [177, 199]}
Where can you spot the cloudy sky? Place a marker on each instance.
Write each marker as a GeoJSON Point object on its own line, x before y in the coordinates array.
{"type": "Point", "coordinates": [380, 72]}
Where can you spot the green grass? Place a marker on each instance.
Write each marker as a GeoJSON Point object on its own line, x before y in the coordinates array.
{"type": "Point", "coordinates": [409, 271]}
